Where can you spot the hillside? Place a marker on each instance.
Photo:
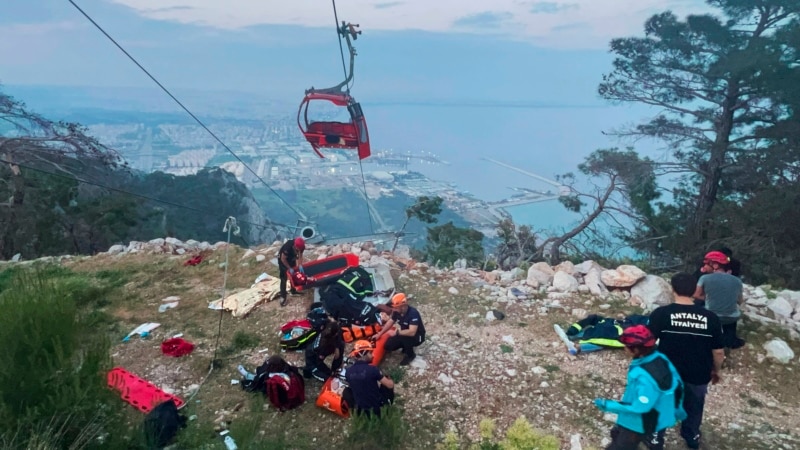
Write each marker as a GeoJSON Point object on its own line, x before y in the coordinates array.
{"type": "Point", "coordinates": [472, 366]}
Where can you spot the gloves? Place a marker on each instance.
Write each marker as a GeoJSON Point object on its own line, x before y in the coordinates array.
{"type": "Point", "coordinates": [291, 271]}
{"type": "Point", "coordinates": [301, 269]}
{"type": "Point", "coordinates": [600, 403]}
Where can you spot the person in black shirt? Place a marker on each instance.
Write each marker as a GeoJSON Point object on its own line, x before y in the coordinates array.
{"type": "Point", "coordinates": [691, 337]}
{"type": "Point", "coordinates": [371, 389]}
{"type": "Point", "coordinates": [328, 342]}
{"type": "Point", "coordinates": [290, 258]}
{"type": "Point", "coordinates": [411, 331]}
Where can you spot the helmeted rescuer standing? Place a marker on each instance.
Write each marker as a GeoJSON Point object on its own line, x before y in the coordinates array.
{"type": "Point", "coordinates": [653, 398]}
{"type": "Point", "coordinates": [290, 259]}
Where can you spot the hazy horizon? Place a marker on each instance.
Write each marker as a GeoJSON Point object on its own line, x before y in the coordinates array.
{"type": "Point", "coordinates": [516, 80]}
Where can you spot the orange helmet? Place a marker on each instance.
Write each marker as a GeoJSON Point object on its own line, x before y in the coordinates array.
{"type": "Point", "coordinates": [399, 299]}
{"type": "Point", "coordinates": [361, 347]}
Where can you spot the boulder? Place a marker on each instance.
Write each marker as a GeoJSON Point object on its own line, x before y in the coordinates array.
{"type": "Point", "coordinates": [623, 276]}
{"type": "Point", "coordinates": [779, 350]}
{"type": "Point", "coordinates": [653, 291]}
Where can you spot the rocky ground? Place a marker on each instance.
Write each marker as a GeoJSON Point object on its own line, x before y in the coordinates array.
{"type": "Point", "coordinates": [474, 365]}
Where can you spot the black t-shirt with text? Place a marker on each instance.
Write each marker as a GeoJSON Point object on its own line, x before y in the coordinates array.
{"type": "Point", "coordinates": [687, 335]}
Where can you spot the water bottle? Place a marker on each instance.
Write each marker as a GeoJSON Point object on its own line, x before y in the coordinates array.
{"type": "Point", "coordinates": [229, 443]}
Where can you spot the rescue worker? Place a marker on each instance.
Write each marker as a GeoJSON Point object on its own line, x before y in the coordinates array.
{"type": "Point", "coordinates": [371, 389]}
{"type": "Point", "coordinates": [723, 294]}
{"type": "Point", "coordinates": [691, 337]}
{"type": "Point", "coordinates": [410, 332]}
{"type": "Point", "coordinates": [290, 259]}
{"type": "Point", "coordinates": [328, 342]}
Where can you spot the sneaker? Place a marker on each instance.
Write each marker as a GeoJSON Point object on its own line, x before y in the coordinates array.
{"type": "Point", "coordinates": [407, 360]}
{"type": "Point", "coordinates": [247, 375]}
{"type": "Point", "coordinates": [738, 343]}
{"type": "Point", "coordinates": [694, 442]}
{"type": "Point", "coordinates": [316, 376]}
{"type": "Point", "coordinates": [283, 301]}
{"type": "Point", "coordinates": [571, 347]}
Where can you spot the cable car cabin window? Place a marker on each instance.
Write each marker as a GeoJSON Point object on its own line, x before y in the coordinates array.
{"type": "Point", "coordinates": [324, 111]}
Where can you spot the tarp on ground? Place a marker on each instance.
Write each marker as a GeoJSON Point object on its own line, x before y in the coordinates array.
{"type": "Point", "coordinates": [241, 303]}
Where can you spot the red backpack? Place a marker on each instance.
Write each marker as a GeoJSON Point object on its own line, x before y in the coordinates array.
{"type": "Point", "coordinates": [286, 394]}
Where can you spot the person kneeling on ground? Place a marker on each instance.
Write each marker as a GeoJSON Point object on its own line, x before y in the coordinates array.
{"type": "Point", "coordinates": [411, 332]}
{"type": "Point", "coordinates": [653, 395]}
{"type": "Point", "coordinates": [328, 342]}
{"type": "Point", "coordinates": [371, 389]}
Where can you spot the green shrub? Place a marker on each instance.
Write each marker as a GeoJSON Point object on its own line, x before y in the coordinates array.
{"type": "Point", "coordinates": [521, 436]}
{"type": "Point", "coordinates": [451, 442]}
{"type": "Point", "coordinates": [385, 432]}
{"type": "Point", "coordinates": [52, 381]}
{"type": "Point", "coordinates": [242, 340]}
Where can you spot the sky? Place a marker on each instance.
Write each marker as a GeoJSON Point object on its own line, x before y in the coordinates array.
{"type": "Point", "coordinates": [514, 79]}
{"type": "Point", "coordinates": [446, 48]}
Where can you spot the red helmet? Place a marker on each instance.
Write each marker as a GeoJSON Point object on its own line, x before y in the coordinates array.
{"type": "Point", "coordinates": [300, 243]}
{"type": "Point", "coordinates": [717, 257]}
{"type": "Point", "coordinates": [638, 336]}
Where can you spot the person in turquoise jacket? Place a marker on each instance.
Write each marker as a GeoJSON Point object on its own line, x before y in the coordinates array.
{"type": "Point", "coordinates": [653, 398]}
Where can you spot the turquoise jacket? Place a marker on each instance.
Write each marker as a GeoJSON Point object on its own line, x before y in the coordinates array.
{"type": "Point", "coordinates": [653, 398]}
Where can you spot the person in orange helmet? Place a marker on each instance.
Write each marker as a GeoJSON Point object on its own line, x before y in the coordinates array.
{"type": "Point", "coordinates": [410, 331]}
{"type": "Point", "coordinates": [371, 389]}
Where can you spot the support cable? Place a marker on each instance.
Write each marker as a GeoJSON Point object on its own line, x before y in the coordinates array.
{"type": "Point", "coordinates": [199, 122]}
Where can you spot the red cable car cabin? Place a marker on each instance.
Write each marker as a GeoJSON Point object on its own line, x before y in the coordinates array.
{"type": "Point", "coordinates": [342, 135]}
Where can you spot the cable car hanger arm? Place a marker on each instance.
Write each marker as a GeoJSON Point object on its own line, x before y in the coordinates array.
{"type": "Point", "coordinates": [347, 30]}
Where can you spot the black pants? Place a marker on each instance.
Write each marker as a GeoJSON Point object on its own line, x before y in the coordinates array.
{"type": "Point", "coordinates": [624, 439]}
{"type": "Point", "coordinates": [729, 338]}
{"type": "Point", "coordinates": [283, 273]}
{"type": "Point", "coordinates": [387, 398]}
{"type": "Point", "coordinates": [694, 401]}
{"type": "Point", "coordinates": [407, 343]}
{"type": "Point", "coordinates": [316, 367]}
